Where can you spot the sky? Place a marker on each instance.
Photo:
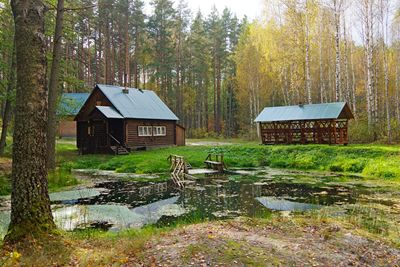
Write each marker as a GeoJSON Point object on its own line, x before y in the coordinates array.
{"type": "Point", "coordinates": [251, 8]}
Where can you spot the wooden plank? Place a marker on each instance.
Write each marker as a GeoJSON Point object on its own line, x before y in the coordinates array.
{"type": "Point", "coordinates": [213, 162]}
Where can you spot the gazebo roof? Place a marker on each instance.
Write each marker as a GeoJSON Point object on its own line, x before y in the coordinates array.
{"type": "Point", "coordinates": [324, 111]}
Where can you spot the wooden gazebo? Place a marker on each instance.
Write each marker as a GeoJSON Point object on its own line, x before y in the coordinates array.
{"type": "Point", "coordinates": [302, 124]}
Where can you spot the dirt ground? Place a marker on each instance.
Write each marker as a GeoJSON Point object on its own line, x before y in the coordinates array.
{"type": "Point", "coordinates": [239, 242]}
{"type": "Point", "coordinates": [235, 243]}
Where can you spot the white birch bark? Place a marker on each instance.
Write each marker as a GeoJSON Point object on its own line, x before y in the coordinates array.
{"type": "Point", "coordinates": [321, 66]}
{"type": "Point", "coordinates": [384, 4]}
{"type": "Point", "coordinates": [353, 82]}
{"type": "Point", "coordinates": [367, 18]}
{"type": "Point", "coordinates": [346, 65]}
{"type": "Point", "coordinates": [307, 59]}
{"type": "Point", "coordinates": [338, 87]}
{"type": "Point", "coordinates": [397, 93]}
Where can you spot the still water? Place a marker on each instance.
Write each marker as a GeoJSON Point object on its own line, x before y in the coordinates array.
{"type": "Point", "coordinates": [115, 205]}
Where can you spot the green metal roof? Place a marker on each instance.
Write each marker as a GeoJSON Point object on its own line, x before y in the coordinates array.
{"type": "Point", "coordinates": [71, 103]}
{"type": "Point", "coordinates": [305, 112]}
{"type": "Point", "coordinates": [137, 104]}
{"type": "Point", "coordinates": [109, 112]}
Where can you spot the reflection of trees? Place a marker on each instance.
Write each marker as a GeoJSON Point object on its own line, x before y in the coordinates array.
{"type": "Point", "coordinates": [222, 197]}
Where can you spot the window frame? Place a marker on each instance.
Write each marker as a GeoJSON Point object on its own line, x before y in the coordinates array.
{"type": "Point", "coordinates": [143, 133]}
{"type": "Point", "coordinates": [159, 131]}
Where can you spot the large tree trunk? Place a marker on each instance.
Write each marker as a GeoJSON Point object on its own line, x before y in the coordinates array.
{"type": "Point", "coordinates": [30, 203]}
{"type": "Point", "coordinates": [53, 88]}
{"type": "Point", "coordinates": [7, 106]}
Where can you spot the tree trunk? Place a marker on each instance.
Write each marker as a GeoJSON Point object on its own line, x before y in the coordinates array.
{"type": "Point", "coordinates": [369, 65]}
{"type": "Point", "coordinates": [353, 82]}
{"type": "Point", "coordinates": [7, 106]}
{"type": "Point", "coordinates": [321, 66]}
{"type": "Point", "coordinates": [346, 64]}
{"type": "Point", "coordinates": [385, 66]}
{"type": "Point", "coordinates": [30, 204]}
{"type": "Point", "coordinates": [53, 88]}
{"type": "Point", "coordinates": [338, 87]}
{"type": "Point", "coordinates": [397, 94]}
{"type": "Point", "coordinates": [307, 59]}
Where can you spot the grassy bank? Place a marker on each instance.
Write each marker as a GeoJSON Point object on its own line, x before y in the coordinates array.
{"type": "Point", "coordinates": [378, 161]}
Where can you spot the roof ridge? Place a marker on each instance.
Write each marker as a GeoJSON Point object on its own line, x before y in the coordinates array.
{"type": "Point", "coordinates": [122, 87]}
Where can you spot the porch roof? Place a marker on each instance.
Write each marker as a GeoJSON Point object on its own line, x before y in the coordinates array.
{"type": "Point", "coordinates": [109, 112]}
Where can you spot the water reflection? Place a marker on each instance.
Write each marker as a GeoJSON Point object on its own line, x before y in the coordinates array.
{"type": "Point", "coordinates": [116, 205]}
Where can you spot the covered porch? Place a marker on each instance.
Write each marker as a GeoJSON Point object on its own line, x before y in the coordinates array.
{"type": "Point", "coordinates": [101, 134]}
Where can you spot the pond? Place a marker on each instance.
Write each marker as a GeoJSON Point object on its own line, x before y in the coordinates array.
{"type": "Point", "coordinates": [115, 204]}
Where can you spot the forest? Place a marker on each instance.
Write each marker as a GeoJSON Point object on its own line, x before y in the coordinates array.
{"type": "Point", "coordinates": [189, 176]}
{"type": "Point", "coordinates": [217, 71]}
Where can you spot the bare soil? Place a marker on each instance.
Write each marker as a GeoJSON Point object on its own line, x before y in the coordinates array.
{"type": "Point", "coordinates": [238, 243]}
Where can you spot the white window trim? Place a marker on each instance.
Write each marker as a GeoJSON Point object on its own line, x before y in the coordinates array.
{"type": "Point", "coordinates": [159, 131]}
{"type": "Point", "coordinates": [143, 132]}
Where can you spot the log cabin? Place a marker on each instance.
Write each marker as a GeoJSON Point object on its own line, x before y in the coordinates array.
{"type": "Point", "coordinates": [325, 123]}
{"type": "Point", "coordinates": [68, 108]}
{"type": "Point", "coordinates": [117, 120]}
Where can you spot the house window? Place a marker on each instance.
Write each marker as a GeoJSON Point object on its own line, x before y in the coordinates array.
{"type": "Point", "coordinates": [159, 131]}
{"type": "Point", "coordinates": [145, 130]}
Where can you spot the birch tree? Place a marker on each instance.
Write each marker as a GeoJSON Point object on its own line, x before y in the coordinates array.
{"type": "Point", "coordinates": [367, 18]}
{"type": "Point", "coordinates": [384, 13]}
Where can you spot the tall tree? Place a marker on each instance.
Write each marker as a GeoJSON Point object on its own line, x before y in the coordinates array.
{"type": "Point", "coordinates": [54, 87]}
{"type": "Point", "coordinates": [384, 13]}
{"type": "Point", "coordinates": [30, 203]}
{"type": "Point", "coordinates": [367, 16]}
{"type": "Point", "coordinates": [216, 38]}
{"type": "Point", "coordinates": [8, 101]}
{"type": "Point", "coordinates": [307, 52]}
{"type": "Point", "coordinates": [337, 6]}
{"type": "Point", "coordinates": [138, 32]}
{"type": "Point", "coordinates": [7, 70]}
{"type": "Point", "coordinates": [161, 25]}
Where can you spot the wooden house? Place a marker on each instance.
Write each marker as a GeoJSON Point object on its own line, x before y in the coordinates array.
{"type": "Point", "coordinates": [302, 124]}
{"type": "Point", "coordinates": [68, 108]}
{"type": "Point", "coordinates": [116, 120]}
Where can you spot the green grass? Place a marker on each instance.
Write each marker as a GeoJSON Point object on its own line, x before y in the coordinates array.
{"type": "Point", "coordinates": [378, 161]}
{"type": "Point", "coordinates": [60, 179]}
{"type": "Point", "coordinates": [5, 185]}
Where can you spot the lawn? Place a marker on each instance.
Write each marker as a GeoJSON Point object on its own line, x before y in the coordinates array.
{"type": "Point", "coordinates": [376, 161]}
{"type": "Point", "coordinates": [379, 161]}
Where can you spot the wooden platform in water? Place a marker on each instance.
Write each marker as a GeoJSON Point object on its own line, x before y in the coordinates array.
{"type": "Point", "coordinates": [201, 171]}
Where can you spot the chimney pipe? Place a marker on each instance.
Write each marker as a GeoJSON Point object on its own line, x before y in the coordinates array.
{"type": "Point", "coordinates": [125, 90]}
